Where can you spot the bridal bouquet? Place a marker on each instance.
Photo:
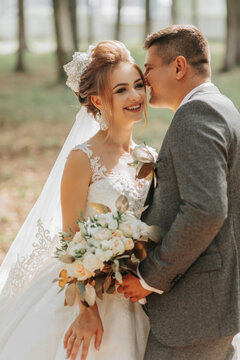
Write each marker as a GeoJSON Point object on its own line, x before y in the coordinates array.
{"type": "Point", "coordinates": [106, 246]}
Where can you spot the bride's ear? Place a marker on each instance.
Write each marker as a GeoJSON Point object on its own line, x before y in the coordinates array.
{"type": "Point", "coordinates": [96, 101]}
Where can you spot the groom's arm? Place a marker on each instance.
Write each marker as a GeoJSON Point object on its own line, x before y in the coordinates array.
{"type": "Point", "coordinates": [146, 286]}
{"type": "Point", "coordinates": [199, 140]}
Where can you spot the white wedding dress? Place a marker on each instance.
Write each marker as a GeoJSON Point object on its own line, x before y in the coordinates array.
{"type": "Point", "coordinates": [34, 327]}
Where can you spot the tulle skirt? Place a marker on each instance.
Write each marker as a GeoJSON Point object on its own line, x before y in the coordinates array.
{"type": "Point", "coordinates": [35, 326]}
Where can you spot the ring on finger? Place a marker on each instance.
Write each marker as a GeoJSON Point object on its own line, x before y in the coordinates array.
{"type": "Point", "coordinates": [72, 337]}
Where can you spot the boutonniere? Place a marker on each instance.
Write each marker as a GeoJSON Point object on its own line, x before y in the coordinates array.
{"type": "Point", "coordinates": [145, 161]}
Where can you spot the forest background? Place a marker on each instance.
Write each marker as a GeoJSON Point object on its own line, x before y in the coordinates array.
{"type": "Point", "coordinates": [37, 109]}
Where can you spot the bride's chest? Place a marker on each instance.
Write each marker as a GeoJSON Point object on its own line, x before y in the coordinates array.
{"type": "Point", "coordinates": [107, 185]}
{"type": "Point", "coordinates": [107, 189]}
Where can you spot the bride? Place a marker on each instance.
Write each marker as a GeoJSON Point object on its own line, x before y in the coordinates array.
{"type": "Point", "coordinates": [34, 322]}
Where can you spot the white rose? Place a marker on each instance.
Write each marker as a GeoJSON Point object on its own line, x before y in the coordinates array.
{"type": "Point", "coordinates": [77, 247]}
{"type": "Point", "coordinates": [129, 244]}
{"type": "Point", "coordinates": [104, 255]}
{"type": "Point", "coordinates": [82, 228]}
{"type": "Point", "coordinates": [77, 238]}
{"type": "Point", "coordinates": [105, 244]}
{"type": "Point", "coordinates": [127, 229]}
{"type": "Point", "coordinates": [111, 222]}
{"type": "Point", "coordinates": [101, 219]}
{"type": "Point", "coordinates": [144, 154]}
{"type": "Point", "coordinates": [91, 262]}
{"type": "Point", "coordinates": [142, 228]}
{"type": "Point", "coordinates": [102, 234]}
{"type": "Point", "coordinates": [133, 227]}
{"type": "Point", "coordinates": [117, 233]}
{"type": "Point", "coordinates": [91, 230]}
{"type": "Point", "coordinates": [117, 246]}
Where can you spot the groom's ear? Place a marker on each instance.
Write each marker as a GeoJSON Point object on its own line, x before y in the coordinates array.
{"type": "Point", "coordinates": [96, 101]}
{"type": "Point", "coordinates": [180, 64]}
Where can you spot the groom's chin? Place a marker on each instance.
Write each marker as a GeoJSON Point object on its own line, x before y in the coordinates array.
{"type": "Point", "coordinates": [154, 104]}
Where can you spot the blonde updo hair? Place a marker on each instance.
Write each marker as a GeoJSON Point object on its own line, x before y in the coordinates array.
{"type": "Point", "coordinates": [95, 79]}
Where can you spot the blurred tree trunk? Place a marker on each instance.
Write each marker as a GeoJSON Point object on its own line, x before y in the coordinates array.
{"type": "Point", "coordinates": [232, 37]}
{"type": "Point", "coordinates": [147, 18]}
{"type": "Point", "coordinates": [118, 22]}
{"type": "Point", "coordinates": [64, 35]}
{"type": "Point", "coordinates": [174, 12]}
{"type": "Point", "coordinates": [73, 15]}
{"type": "Point", "coordinates": [238, 33]}
{"type": "Point", "coordinates": [21, 37]}
{"type": "Point", "coordinates": [90, 22]}
{"type": "Point", "coordinates": [195, 12]}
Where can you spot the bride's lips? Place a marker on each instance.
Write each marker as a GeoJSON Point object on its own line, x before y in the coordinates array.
{"type": "Point", "coordinates": [134, 107]}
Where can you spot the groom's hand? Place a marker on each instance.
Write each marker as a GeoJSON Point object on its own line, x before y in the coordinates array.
{"type": "Point", "coordinates": [132, 288]}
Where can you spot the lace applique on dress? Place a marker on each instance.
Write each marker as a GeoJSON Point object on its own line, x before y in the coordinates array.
{"type": "Point", "coordinates": [98, 170]}
{"type": "Point", "coordinates": [26, 267]}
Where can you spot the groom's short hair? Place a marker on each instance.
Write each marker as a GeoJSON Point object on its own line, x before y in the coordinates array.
{"type": "Point", "coordinates": [182, 40]}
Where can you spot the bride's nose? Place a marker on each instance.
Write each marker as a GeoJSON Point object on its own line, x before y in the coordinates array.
{"type": "Point", "coordinates": [134, 95]}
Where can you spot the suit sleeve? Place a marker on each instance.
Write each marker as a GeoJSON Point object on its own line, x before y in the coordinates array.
{"type": "Point", "coordinates": [199, 139]}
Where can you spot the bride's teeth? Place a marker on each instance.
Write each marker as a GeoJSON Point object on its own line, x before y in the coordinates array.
{"type": "Point", "coordinates": [133, 107]}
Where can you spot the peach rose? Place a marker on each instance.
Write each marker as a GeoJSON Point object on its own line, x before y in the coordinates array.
{"type": "Point", "coordinates": [80, 272]}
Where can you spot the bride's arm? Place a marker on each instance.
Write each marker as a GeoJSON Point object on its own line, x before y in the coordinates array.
{"type": "Point", "coordinates": [74, 189]}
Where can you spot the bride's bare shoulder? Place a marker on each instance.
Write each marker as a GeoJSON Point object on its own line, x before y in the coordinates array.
{"type": "Point", "coordinates": [78, 162]}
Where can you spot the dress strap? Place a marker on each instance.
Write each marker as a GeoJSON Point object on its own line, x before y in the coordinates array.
{"type": "Point", "coordinates": [85, 148]}
{"type": "Point", "coordinates": [98, 169]}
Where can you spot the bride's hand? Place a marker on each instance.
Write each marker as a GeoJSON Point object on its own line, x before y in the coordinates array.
{"type": "Point", "coordinates": [86, 325]}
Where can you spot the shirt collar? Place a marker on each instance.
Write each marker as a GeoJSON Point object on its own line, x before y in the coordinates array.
{"type": "Point", "coordinates": [193, 91]}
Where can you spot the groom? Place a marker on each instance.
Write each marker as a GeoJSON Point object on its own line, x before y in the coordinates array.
{"type": "Point", "coordinates": [191, 278]}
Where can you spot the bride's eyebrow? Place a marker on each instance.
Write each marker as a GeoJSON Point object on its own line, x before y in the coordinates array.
{"type": "Point", "coordinates": [125, 84]}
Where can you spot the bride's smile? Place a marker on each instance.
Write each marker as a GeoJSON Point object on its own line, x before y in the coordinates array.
{"type": "Point", "coordinates": [129, 95]}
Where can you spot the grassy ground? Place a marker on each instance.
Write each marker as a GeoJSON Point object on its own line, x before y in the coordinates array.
{"type": "Point", "coordinates": [36, 114]}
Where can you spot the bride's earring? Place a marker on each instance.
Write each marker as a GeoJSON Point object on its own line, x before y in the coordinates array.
{"type": "Point", "coordinates": [100, 118]}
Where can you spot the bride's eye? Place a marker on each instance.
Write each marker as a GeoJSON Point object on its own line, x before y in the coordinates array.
{"type": "Point", "coordinates": [120, 90]}
{"type": "Point", "coordinates": [140, 85]}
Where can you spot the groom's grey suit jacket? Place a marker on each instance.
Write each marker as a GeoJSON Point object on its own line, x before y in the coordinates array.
{"type": "Point", "coordinates": [197, 205]}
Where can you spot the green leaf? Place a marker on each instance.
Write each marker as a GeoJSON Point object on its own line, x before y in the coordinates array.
{"type": "Point", "coordinates": [111, 289]}
{"type": "Point", "coordinates": [81, 215]}
{"type": "Point", "coordinates": [90, 294]}
{"type": "Point", "coordinates": [99, 281]}
{"type": "Point", "coordinates": [65, 234]}
{"type": "Point", "coordinates": [107, 283]}
{"type": "Point", "coordinates": [71, 230]}
{"type": "Point", "coordinates": [55, 280]}
{"type": "Point", "coordinates": [115, 266]}
{"type": "Point", "coordinates": [81, 287]}
{"type": "Point", "coordinates": [67, 259]}
{"type": "Point", "coordinates": [62, 288]}
{"type": "Point", "coordinates": [70, 294]}
{"type": "Point", "coordinates": [85, 304]}
{"type": "Point", "coordinates": [122, 257]}
{"type": "Point", "coordinates": [118, 277]}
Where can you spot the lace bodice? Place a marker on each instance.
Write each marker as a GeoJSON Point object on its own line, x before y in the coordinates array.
{"type": "Point", "coordinates": [106, 186]}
